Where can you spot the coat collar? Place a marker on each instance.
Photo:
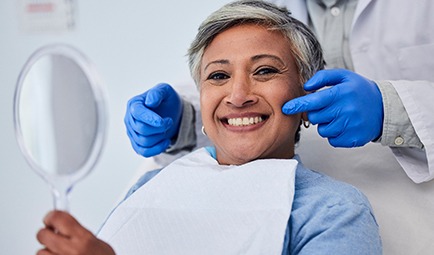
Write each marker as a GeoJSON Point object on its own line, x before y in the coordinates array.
{"type": "Point", "coordinates": [361, 6]}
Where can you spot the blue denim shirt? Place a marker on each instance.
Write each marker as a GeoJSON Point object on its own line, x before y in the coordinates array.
{"type": "Point", "coordinates": [327, 217]}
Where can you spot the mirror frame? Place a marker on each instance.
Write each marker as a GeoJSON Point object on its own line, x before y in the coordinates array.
{"type": "Point", "coordinates": [100, 99]}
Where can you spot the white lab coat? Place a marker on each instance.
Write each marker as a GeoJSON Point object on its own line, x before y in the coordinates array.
{"type": "Point", "coordinates": [394, 40]}
{"type": "Point", "coordinates": [390, 40]}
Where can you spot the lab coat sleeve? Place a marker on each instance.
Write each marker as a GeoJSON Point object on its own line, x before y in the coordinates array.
{"type": "Point", "coordinates": [398, 130]}
{"type": "Point", "coordinates": [417, 98]}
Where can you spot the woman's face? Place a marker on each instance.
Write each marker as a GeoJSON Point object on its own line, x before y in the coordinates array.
{"type": "Point", "coordinates": [247, 74]}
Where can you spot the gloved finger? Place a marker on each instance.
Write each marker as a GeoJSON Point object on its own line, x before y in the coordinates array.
{"type": "Point", "coordinates": [344, 141]}
{"type": "Point", "coordinates": [340, 133]}
{"type": "Point", "coordinates": [145, 141]}
{"type": "Point", "coordinates": [137, 148]}
{"type": "Point", "coordinates": [157, 94]}
{"type": "Point", "coordinates": [145, 129]}
{"type": "Point", "coordinates": [145, 115]}
{"type": "Point", "coordinates": [325, 78]}
{"type": "Point", "coordinates": [311, 102]}
{"type": "Point", "coordinates": [322, 116]}
{"type": "Point", "coordinates": [330, 130]}
{"type": "Point", "coordinates": [154, 150]}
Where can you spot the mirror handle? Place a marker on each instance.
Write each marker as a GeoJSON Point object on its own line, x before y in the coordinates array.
{"type": "Point", "coordinates": [61, 197]}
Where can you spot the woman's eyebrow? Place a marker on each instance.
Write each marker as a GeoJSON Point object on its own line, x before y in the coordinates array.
{"type": "Point", "coordinates": [262, 56]}
{"type": "Point", "coordinates": [254, 58]}
{"type": "Point", "coordinates": [220, 62]}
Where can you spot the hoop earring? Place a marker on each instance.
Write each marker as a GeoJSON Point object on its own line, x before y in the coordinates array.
{"type": "Point", "coordinates": [203, 131]}
{"type": "Point", "coordinates": [306, 123]}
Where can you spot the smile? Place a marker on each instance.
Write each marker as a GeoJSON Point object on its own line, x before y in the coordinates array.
{"type": "Point", "coordinates": [245, 121]}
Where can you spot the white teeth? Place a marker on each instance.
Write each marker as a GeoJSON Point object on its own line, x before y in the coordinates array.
{"type": "Point", "coordinates": [244, 121]}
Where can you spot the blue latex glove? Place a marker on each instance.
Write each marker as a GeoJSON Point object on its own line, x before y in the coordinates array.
{"type": "Point", "coordinates": [349, 113]}
{"type": "Point", "coordinates": [152, 119]}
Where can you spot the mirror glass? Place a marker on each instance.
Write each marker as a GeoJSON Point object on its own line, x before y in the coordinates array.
{"type": "Point", "coordinates": [60, 117]}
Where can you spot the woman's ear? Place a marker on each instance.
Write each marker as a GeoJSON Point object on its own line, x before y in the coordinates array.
{"type": "Point", "coordinates": [305, 120]}
{"type": "Point", "coordinates": [304, 116]}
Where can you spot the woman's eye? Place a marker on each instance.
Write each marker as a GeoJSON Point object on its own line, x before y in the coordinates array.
{"type": "Point", "coordinates": [218, 76]}
{"type": "Point", "coordinates": [266, 71]}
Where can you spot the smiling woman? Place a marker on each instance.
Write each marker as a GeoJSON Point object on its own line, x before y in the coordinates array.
{"type": "Point", "coordinates": [249, 193]}
{"type": "Point", "coordinates": [247, 74]}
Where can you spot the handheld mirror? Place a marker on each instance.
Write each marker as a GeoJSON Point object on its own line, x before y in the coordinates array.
{"type": "Point", "coordinates": [60, 117]}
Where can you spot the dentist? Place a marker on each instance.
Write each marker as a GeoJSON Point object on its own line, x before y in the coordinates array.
{"type": "Point", "coordinates": [388, 101]}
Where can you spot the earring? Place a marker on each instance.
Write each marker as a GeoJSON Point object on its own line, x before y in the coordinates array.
{"type": "Point", "coordinates": [306, 123]}
{"type": "Point", "coordinates": [203, 131]}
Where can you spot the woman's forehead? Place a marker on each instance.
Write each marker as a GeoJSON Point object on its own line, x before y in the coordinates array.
{"type": "Point", "coordinates": [249, 40]}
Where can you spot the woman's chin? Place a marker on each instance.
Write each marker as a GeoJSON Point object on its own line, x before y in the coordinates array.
{"type": "Point", "coordinates": [238, 157]}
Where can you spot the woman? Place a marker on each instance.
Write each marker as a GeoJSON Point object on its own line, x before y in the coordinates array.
{"type": "Point", "coordinates": [248, 59]}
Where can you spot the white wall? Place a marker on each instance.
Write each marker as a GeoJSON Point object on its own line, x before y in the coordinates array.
{"type": "Point", "coordinates": [134, 44]}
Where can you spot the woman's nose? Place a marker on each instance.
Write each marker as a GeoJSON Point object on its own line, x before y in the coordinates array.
{"type": "Point", "coordinates": [241, 93]}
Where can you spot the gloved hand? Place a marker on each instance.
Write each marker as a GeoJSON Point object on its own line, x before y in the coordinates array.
{"type": "Point", "coordinates": [349, 113]}
{"type": "Point", "coordinates": [153, 119]}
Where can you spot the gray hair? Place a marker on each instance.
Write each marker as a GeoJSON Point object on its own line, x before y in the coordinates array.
{"type": "Point", "coordinates": [304, 45]}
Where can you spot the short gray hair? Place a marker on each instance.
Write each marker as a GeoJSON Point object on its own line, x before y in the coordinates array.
{"type": "Point", "coordinates": [304, 45]}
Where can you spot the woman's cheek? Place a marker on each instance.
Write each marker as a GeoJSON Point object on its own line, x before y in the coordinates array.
{"type": "Point", "coordinates": [208, 105]}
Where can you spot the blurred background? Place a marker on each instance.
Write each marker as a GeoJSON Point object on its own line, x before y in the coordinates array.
{"type": "Point", "coordinates": [133, 45]}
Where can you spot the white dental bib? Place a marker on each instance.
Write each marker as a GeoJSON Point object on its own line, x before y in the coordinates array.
{"type": "Point", "coordinates": [196, 206]}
